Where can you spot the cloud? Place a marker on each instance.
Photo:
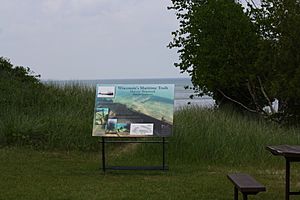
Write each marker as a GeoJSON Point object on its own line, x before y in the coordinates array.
{"type": "Point", "coordinates": [90, 38]}
{"type": "Point", "coordinates": [52, 6]}
{"type": "Point", "coordinates": [86, 8]}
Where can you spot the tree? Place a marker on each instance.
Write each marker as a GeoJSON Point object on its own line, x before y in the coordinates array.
{"type": "Point", "coordinates": [243, 57]}
{"type": "Point", "coordinates": [278, 24]}
{"type": "Point", "coordinates": [18, 85]}
{"type": "Point", "coordinates": [217, 45]}
{"type": "Point", "coordinates": [23, 74]}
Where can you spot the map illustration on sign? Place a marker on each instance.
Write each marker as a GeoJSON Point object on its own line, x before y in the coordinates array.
{"type": "Point", "coordinates": [131, 110]}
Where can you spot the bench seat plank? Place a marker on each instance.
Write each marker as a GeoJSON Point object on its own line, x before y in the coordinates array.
{"type": "Point", "coordinates": [246, 184]}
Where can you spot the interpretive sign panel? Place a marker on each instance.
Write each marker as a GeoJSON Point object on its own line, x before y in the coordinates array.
{"type": "Point", "coordinates": [126, 110]}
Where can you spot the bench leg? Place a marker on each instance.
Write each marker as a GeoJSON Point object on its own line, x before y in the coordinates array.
{"type": "Point", "coordinates": [236, 194]}
{"type": "Point", "coordinates": [287, 179]}
{"type": "Point", "coordinates": [245, 197]}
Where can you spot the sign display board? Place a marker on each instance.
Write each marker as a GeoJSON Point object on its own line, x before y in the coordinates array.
{"type": "Point", "coordinates": [133, 110]}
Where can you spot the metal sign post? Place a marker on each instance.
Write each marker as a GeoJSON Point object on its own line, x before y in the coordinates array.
{"type": "Point", "coordinates": [162, 167]}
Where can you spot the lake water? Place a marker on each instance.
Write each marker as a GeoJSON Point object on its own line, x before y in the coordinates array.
{"type": "Point", "coordinates": [182, 95]}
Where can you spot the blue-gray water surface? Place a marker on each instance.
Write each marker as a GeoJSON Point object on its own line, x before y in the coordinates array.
{"type": "Point", "coordinates": [182, 95]}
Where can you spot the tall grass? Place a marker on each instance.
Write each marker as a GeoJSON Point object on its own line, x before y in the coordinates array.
{"type": "Point", "coordinates": [47, 117]}
{"type": "Point", "coordinates": [218, 137]}
{"type": "Point", "coordinates": [52, 117]}
{"type": "Point", "coordinates": [225, 136]}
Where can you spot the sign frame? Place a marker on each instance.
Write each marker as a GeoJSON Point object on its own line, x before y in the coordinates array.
{"type": "Point", "coordinates": [133, 110]}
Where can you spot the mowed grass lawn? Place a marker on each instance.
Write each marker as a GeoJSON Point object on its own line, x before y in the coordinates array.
{"type": "Point", "coordinates": [30, 174]}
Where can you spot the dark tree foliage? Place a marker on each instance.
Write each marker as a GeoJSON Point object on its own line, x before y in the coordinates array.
{"type": "Point", "coordinates": [217, 46]}
{"type": "Point", "coordinates": [19, 87]}
{"type": "Point", "coordinates": [278, 24]}
{"type": "Point", "coordinates": [246, 57]}
{"type": "Point", "coordinates": [23, 74]}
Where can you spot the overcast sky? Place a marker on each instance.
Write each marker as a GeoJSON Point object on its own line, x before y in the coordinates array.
{"type": "Point", "coordinates": [90, 39]}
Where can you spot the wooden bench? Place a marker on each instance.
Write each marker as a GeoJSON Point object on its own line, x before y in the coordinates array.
{"type": "Point", "coordinates": [245, 184]}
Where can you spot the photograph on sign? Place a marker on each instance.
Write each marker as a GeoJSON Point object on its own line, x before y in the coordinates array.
{"type": "Point", "coordinates": [141, 129]}
{"type": "Point", "coordinates": [106, 92]}
{"type": "Point", "coordinates": [101, 116]}
{"type": "Point", "coordinates": [133, 110]}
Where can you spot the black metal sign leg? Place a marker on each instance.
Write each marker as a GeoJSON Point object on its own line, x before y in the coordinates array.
{"type": "Point", "coordinates": [107, 167]}
{"type": "Point", "coordinates": [164, 153]}
{"type": "Point", "coordinates": [103, 154]}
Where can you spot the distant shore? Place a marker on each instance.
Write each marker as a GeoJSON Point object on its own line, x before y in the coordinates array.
{"type": "Point", "coordinates": [182, 95]}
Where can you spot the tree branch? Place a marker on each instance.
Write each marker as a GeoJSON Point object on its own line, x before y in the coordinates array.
{"type": "Point", "coordinates": [252, 95]}
{"type": "Point", "coordinates": [258, 107]}
{"type": "Point", "coordinates": [265, 95]}
{"type": "Point", "coordinates": [239, 103]}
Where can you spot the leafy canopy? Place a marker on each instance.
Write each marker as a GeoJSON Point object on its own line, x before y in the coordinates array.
{"type": "Point", "coordinates": [217, 45]}
{"type": "Point", "coordinates": [246, 57]}
{"type": "Point", "coordinates": [23, 74]}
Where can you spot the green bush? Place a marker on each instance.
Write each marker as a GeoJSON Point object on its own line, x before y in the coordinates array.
{"type": "Point", "coordinates": [43, 116]}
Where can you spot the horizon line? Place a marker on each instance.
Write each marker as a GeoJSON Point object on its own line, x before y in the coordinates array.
{"type": "Point", "coordinates": [112, 79]}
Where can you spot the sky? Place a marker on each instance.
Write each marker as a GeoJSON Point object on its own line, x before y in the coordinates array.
{"type": "Point", "coordinates": [90, 39]}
